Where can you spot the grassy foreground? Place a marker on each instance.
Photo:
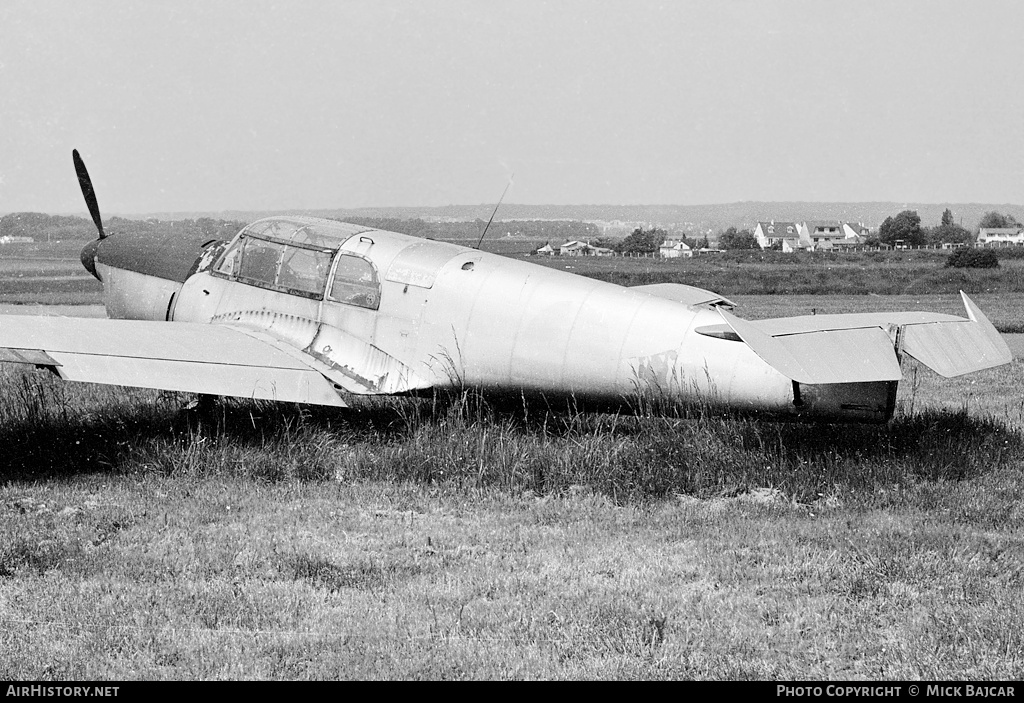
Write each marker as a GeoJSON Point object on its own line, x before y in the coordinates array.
{"type": "Point", "coordinates": [444, 539]}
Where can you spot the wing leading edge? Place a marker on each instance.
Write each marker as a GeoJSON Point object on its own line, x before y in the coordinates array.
{"type": "Point", "coordinates": [190, 357]}
{"type": "Point", "coordinates": [820, 349]}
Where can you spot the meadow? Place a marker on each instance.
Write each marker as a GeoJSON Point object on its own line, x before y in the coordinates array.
{"type": "Point", "coordinates": [47, 274]}
{"type": "Point", "coordinates": [764, 284]}
{"type": "Point", "coordinates": [449, 538]}
{"type": "Point", "coordinates": [807, 273]}
{"type": "Point", "coordinates": [443, 538]}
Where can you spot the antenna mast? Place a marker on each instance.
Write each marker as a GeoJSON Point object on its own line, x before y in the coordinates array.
{"type": "Point", "coordinates": [480, 241]}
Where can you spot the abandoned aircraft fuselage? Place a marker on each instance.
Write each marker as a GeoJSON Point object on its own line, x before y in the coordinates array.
{"type": "Point", "coordinates": [307, 310]}
{"type": "Point", "coordinates": [382, 312]}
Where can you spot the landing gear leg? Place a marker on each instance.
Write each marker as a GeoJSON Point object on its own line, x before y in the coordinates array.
{"type": "Point", "coordinates": [203, 410]}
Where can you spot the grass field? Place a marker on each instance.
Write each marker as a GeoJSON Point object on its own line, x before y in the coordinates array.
{"type": "Point", "coordinates": [444, 538]}
{"type": "Point", "coordinates": [447, 540]}
{"type": "Point", "coordinates": [52, 275]}
{"type": "Point", "coordinates": [46, 274]}
{"type": "Point", "coordinates": [1004, 310]}
{"type": "Point", "coordinates": [773, 273]}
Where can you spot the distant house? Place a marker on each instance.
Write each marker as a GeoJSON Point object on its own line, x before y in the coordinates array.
{"type": "Point", "coordinates": [791, 244]}
{"type": "Point", "coordinates": [855, 241]}
{"type": "Point", "coordinates": [853, 231]}
{"type": "Point", "coordinates": [856, 235]}
{"type": "Point", "coordinates": [546, 250]}
{"type": "Point", "coordinates": [675, 249]}
{"type": "Point", "coordinates": [771, 233]}
{"type": "Point", "coordinates": [821, 235]}
{"type": "Point", "coordinates": [813, 235]}
{"type": "Point", "coordinates": [15, 239]}
{"type": "Point", "coordinates": [578, 248]}
{"type": "Point", "coordinates": [574, 248]}
{"type": "Point", "coordinates": [1000, 236]}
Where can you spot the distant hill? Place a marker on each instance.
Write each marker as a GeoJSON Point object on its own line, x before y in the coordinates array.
{"type": "Point", "coordinates": [700, 217]}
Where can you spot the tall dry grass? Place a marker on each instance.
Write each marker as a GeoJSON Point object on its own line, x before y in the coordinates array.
{"type": "Point", "coordinates": [50, 429]}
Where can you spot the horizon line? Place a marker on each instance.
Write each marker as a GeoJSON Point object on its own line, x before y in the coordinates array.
{"type": "Point", "coordinates": [301, 210]}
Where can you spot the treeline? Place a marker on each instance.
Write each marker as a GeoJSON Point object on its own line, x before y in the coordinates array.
{"type": "Point", "coordinates": [906, 227]}
{"type": "Point", "coordinates": [43, 227]}
{"type": "Point", "coordinates": [204, 226]}
{"type": "Point", "coordinates": [648, 241]}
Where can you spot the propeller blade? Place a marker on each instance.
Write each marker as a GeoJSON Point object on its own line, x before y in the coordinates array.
{"type": "Point", "coordinates": [87, 191]}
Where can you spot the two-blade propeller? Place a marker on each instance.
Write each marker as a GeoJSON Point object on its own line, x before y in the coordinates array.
{"type": "Point", "coordinates": [88, 191]}
{"type": "Point", "coordinates": [88, 255]}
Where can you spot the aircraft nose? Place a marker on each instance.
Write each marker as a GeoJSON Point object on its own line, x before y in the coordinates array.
{"type": "Point", "coordinates": [88, 257]}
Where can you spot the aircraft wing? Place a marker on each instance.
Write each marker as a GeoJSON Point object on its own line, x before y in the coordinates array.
{"type": "Point", "coordinates": [863, 347]}
{"type": "Point", "coordinates": [179, 356]}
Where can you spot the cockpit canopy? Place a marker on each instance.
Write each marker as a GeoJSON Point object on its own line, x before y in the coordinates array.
{"type": "Point", "coordinates": [296, 255]}
{"type": "Point", "coordinates": [304, 231]}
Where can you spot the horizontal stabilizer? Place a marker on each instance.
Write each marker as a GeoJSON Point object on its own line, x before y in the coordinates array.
{"type": "Point", "coordinates": [687, 295]}
{"type": "Point", "coordinates": [861, 347]}
{"type": "Point", "coordinates": [952, 349]}
{"type": "Point", "coordinates": [179, 356]}
{"type": "Point", "coordinates": [780, 326]}
{"type": "Point", "coordinates": [823, 356]}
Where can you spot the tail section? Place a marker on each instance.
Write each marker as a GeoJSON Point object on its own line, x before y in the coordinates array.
{"type": "Point", "coordinates": [848, 366]}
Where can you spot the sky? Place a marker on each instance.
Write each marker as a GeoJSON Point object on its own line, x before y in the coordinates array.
{"type": "Point", "coordinates": [210, 106]}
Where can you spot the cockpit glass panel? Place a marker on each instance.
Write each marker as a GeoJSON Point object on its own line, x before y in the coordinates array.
{"type": "Point", "coordinates": [298, 270]}
{"type": "Point", "coordinates": [260, 261]}
{"type": "Point", "coordinates": [304, 270]}
{"type": "Point", "coordinates": [308, 232]}
{"type": "Point", "coordinates": [229, 262]}
{"type": "Point", "coordinates": [355, 282]}
{"type": "Point", "coordinates": [294, 255]}
{"type": "Point", "coordinates": [273, 229]}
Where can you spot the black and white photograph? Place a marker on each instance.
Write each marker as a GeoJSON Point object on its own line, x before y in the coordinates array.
{"type": "Point", "coordinates": [349, 340]}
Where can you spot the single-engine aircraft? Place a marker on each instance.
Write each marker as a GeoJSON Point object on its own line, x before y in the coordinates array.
{"type": "Point", "coordinates": [310, 310]}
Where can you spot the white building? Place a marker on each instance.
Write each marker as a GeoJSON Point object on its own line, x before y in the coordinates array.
{"type": "Point", "coordinates": [578, 248]}
{"type": "Point", "coordinates": [813, 235]}
{"type": "Point", "coordinates": [1000, 236]}
{"type": "Point", "coordinates": [771, 233]}
{"type": "Point", "coordinates": [675, 249]}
